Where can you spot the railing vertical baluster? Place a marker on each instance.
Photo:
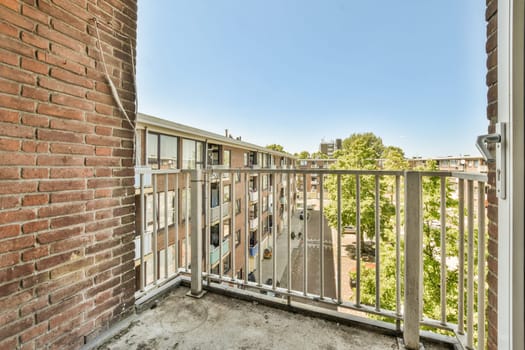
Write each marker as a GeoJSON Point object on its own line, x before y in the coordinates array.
{"type": "Point", "coordinates": [233, 234]}
{"type": "Point", "coordinates": [481, 265]}
{"type": "Point", "coordinates": [166, 226]}
{"type": "Point", "coordinates": [305, 235]}
{"type": "Point", "coordinates": [339, 208]}
{"type": "Point", "coordinates": [196, 234]}
{"type": "Point", "coordinates": [177, 223]}
{"type": "Point", "coordinates": [274, 230]}
{"type": "Point", "coordinates": [259, 229]}
{"type": "Point", "coordinates": [377, 243]}
{"type": "Point", "coordinates": [413, 249]}
{"type": "Point", "coordinates": [246, 228]}
{"type": "Point", "coordinates": [187, 222]}
{"type": "Point", "coordinates": [221, 224]}
{"type": "Point", "coordinates": [461, 254]}
{"type": "Point", "coordinates": [358, 238]}
{"type": "Point", "coordinates": [207, 230]}
{"type": "Point", "coordinates": [154, 234]}
{"type": "Point", "coordinates": [321, 232]}
{"type": "Point", "coordinates": [289, 236]}
{"type": "Point", "coordinates": [443, 216]}
{"type": "Point", "coordinates": [142, 231]}
{"type": "Point", "coordinates": [398, 251]}
{"type": "Point", "coordinates": [470, 262]}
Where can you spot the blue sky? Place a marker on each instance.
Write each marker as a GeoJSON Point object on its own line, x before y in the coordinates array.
{"type": "Point", "coordinates": [294, 72]}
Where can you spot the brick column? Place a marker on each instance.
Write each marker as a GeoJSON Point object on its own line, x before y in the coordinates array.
{"type": "Point", "coordinates": [66, 171]}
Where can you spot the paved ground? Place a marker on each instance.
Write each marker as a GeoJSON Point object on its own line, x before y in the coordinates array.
{"type": "Point", "coordinates": [219, 322]}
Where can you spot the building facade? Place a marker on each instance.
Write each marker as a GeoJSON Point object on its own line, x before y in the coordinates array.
{"type": "Point", "coordinates": [165, 145]}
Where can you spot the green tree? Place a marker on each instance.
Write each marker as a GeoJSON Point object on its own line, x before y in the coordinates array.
{"type": "Point", "coordinates": [303, 155]}
{"type": "Point", "coordinates": [319, 155]}
{"type": "Point", "coordinates": [276, 147]}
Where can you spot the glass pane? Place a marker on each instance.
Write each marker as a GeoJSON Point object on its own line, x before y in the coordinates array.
{"type": "Point", "coordinates": [168, 152]}
{"type": "Point", "coordinates": [152, 151]}
{"type": "Point", "coordinates": [188, 154]}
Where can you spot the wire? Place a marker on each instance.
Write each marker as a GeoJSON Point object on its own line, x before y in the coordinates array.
{"type": "Point", "coordinates": [113, 88]}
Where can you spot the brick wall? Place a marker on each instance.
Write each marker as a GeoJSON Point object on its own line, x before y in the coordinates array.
{"type": "Point", "coordinates": [492, 110]}
{"type": "Point", "coordinates": [66, 176]}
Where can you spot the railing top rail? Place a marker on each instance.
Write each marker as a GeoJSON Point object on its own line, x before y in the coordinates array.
{"type": "Point", "coordinates": [460, 175]}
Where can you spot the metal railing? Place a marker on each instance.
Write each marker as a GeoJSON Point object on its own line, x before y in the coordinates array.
{"type": "Point", "coordinates": [317, 249]}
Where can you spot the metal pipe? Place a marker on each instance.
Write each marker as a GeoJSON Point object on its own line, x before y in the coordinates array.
{"type": "Point", "coordinates": [461, 254]}
{"type": "Point", "coordinates": [246, 228]}
{"type": "Point", "coordinates": [443, 215]}
{"type": "Point", "coordinates": [398, 251]}
{"type": "Point", "coordinates": [259, 229]}
{"type": "Point", "coordinates": [413, 246]}
{"type": "Point", "coordinates": [470, 262]}
{"type": "Point", "coordinates": [289, 235]}
{"type": "Point", "coordinates": [196, 233]}
{"type": "Point", "coordinates": [155, 233]}
{"type": "Point", "coordinates": [321, 233]}
{"type": "Point", "coordinates": [481, 265]}
{"type": "Point", "coordinates": [305, 240]}
{"type": "Point", "coordinates": [142, 229]}
{"type": "Point", "coordinates": [221, 224]}
{"type": "Point", "coordinates": [233, 234]}
{"type": "Point", "coordinates": [377, 243]}
{"type": "Point", "coordinates": [274, 231]}
{"type": "Point", "coordinates": [177, 223]}
{"type": "Point", "coordinates": [358, 239]}
{"type": "Point", "coordinates": [166, 226]}
{"type": "Point", "coordinates": [187, 222]}
{"type": "Point", "coordinates": [339, 207]}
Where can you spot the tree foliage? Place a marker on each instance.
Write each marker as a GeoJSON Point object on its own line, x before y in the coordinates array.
{"type": "Point", "coordinates": [276, 147]}
{"type": "Point", "coordinates": [303, 155]}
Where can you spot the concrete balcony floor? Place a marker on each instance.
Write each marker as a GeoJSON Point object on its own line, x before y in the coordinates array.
{"type": "Point", "coordinates": [219, 322]}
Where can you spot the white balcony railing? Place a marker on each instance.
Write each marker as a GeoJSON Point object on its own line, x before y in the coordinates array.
{"type": "Point", "coordinates": [399, 245]}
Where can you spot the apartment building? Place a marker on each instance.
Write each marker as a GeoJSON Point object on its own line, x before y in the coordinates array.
{"type": "Point", "coordinates": [467, 163]}
{"type": "Point", "coordinates": [329, 147]}
{"type": "Point", "coordinates": [311, 181]}
{"type": "Point", "coordinates": [165, 145]}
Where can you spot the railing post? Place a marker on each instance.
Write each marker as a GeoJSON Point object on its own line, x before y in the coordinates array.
{"type": "Point", "coordinates": [196, 234]}
{"type": "Point", "coordinates": [413, 259]}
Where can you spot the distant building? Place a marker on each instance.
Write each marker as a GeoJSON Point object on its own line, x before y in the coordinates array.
{"type": "Point", "coordinates": [329, 147]}
{"type": "Point", "coordinates": [471, 164]}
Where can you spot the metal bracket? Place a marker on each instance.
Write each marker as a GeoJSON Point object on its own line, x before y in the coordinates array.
{"type": "Point", "coordinates": [499, 138]}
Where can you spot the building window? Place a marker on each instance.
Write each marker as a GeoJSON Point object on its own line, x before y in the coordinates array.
{"type": "Point", "coordinates": [226, 159]}
{"type": "Point", "coordinates": [192, 154]}
{"type": "Point", "coordinates": [226, 228]}
{"type": "Point", "coordinates": [265, 182]}
{"type": "Point", "coordinates": [245, 159]}
{"type": "Point", "coordinates": [214, 154]}
{"type": "Point", "coordinates": [162, 151]}
{"type": "Point", "coordinates": [237, 206]}
{"type": "Point", "coordinates": [237, 177]}
{"type": "Point", "coordinates": [237, 237]}
{"type": "Point", "coordinates": [264, 203]}
{"type": "Point", "coordinates": [226, 195]}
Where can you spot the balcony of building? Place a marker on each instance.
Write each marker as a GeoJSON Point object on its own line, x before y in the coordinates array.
{"type": "Point", "coordinates": [325, 275]}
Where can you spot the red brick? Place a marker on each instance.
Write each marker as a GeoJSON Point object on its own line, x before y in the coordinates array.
{"type": "Point", "coordinates": [33, 332]}
{"type": "Point", "coordinates": [9, 145]}
{"type": "Point", "coordinates": [8, 202]}
{"type": "Point", "coordinates": [35, 147]}
{"type": "Point", "coordinates": [9, 57]}
{"type": "Point", "coordinates": [58, 111]}
{"type": "Point", "coordinates": [34, 93]}
{"type": "Point", "coordinates": [9, 116]}
{"type": "Point", "coordinates": [72, 125]}
{"type": "Point", "coordinates": [69, 290]}
{"type": "Point", "coordinates": [35, 304]}
{"type": "Point", "coordinates": [103, 151]}
{"type": "Point", "coordinates": [35, 226]}
{"type": "Point", "coordinates": [71, 220]}
{"type": "Point", "coordinates": [9, 173]}
{"type": "Point", "coordinates": [9, 30]}
{"type": "Point", "coordinates": [9, 231]}
{"type": "Point", "coordinates": [14, 130]}
{"type": "Point", "coordinates": [12, 4]}
{"type": "Point", "coordinates": [76, 265]}
{"type": "Point", "coordinates": [55, 36]}
{"type": "Point", "coordinates": [35, 199]}
{"type": "Point", "coordinates": [58, 13]}
{"type": "Point", "coordinates": [71, 172]}
{"type": "Point", "coordinates": [60, 148]}
{"type": "Point", "coordinates": [31, 39]}
{"type": "Point", "coordinates": [59, 86]}
{"type": "Point", "coordinates": [34, 14]}
{"type": "Point", "coordinates": [7, 217]}
{"type": "Point", "coordinates": [34, 173]}
{"type": "Point", "coordinates": [15, 327]}
{"type": "Point", "coordinates": [52, 261]}
{"type": "Point", "coordinates": [16, 272]}
{"type": "Point", "coordinates": [59, 210]}
{"type": "Point", "coordinates": [102, 161]}
{"type": "Point", "coordinates": [16, 46]}
{"type": "Point", "coordinates": [61, 185]}
{"type": "Point", "coordinates": [9, 87]}
{"type": "Point", "coordinates": [18, 103]}
{"type": "Point", "coordinates": [18, 159]}
{"type": "Point", "coordinates": [34, 66]}
{"type": "Point", "coordinates": [35, 253]}
{"type": "Point", "coordinates": [35, 120]}
{"type": "Point", "coordinates": [16, 244]}
{"type": "Point", "coordinates": [9, 259]}
{"type": "Point", "coordinates": [74, 102]}
{"type": "Point", "coordinates": [56, 235]}
{"type": "Point", "coordinates": [69, 77]}
{"type": "Point", "coordinates": [8, 289]}
{"type": "Point", "coordinates": [103, 120]}
{"type": "Point", "coordinates": [71, 196]}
